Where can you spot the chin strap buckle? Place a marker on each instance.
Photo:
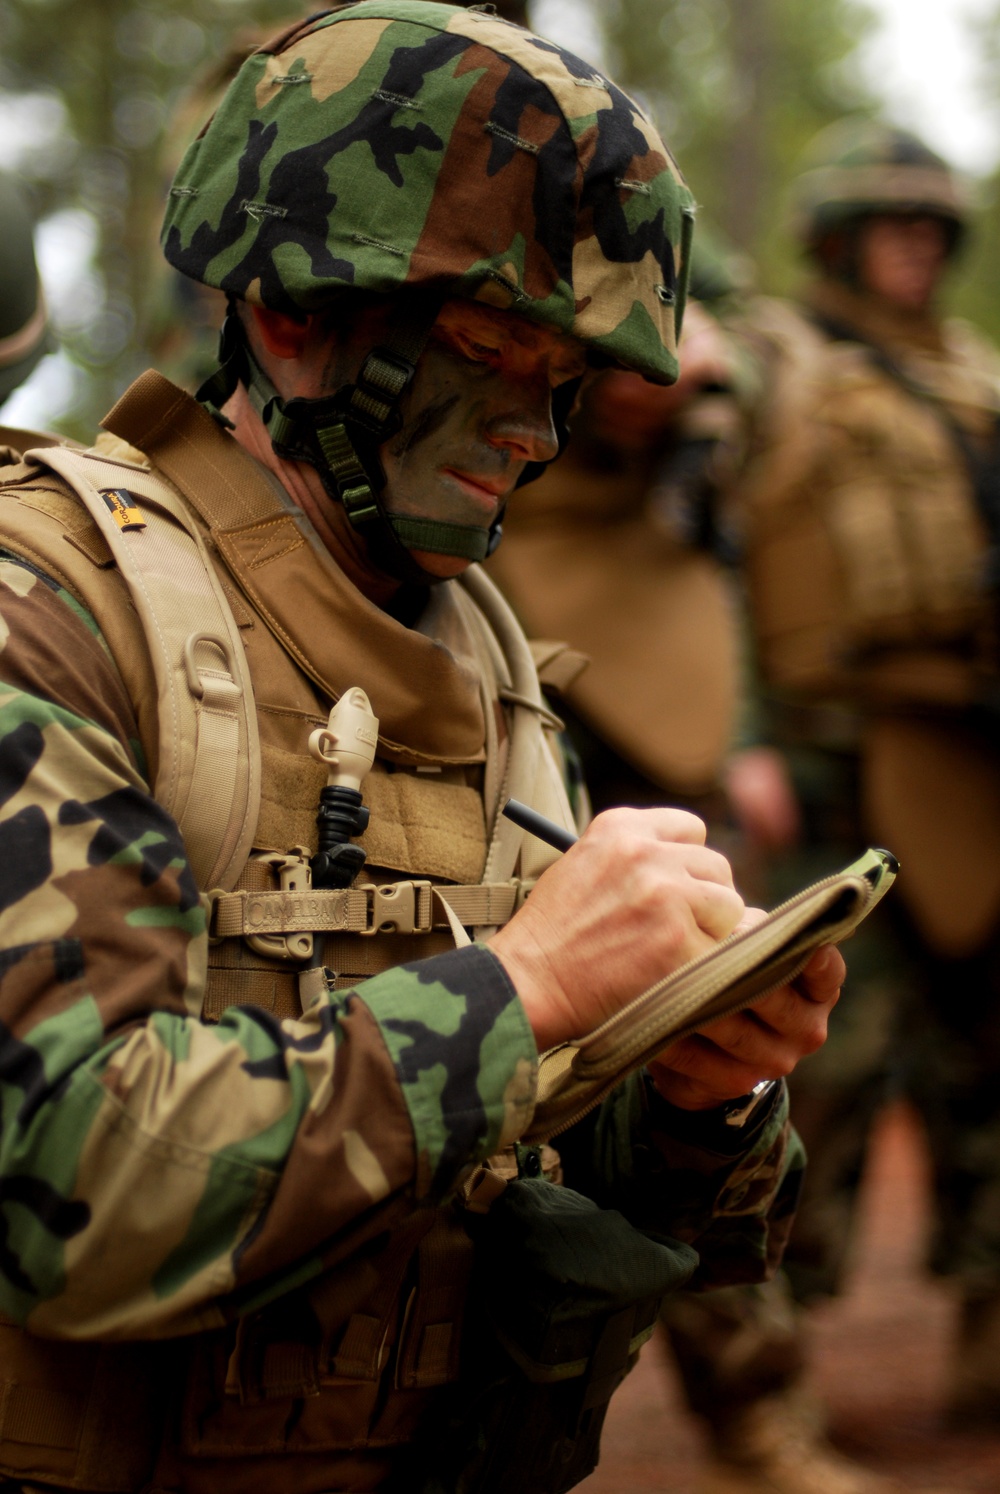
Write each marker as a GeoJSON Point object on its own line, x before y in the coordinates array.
{"type": "Point", "coordinates": [349, 472]}
{"type": "Point", "coordinates": [381, 383]}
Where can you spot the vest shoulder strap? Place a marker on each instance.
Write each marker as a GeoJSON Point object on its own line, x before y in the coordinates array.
{"type": "Point", "coordinates": [530, 772]}
{"type": "Point", "coordinates": [208, 774]}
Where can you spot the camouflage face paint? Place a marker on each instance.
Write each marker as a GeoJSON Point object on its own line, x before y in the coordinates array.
{"type": "Point", "coordinates": [418, 430]}
{"type": "Point", "coordinates": [479, 410]}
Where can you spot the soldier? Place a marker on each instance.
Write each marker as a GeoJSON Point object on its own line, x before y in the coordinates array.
{"type": "Point", "coordinates": [617, 550]}
{"type": "Point", "coordinates": [248, 1120]}
{"type": "Point", "coordinates": [24, 333]}
{"type": "Point", "coordinates": [872, 523]}
{"type": "Point", "coordinates": [622, 548]}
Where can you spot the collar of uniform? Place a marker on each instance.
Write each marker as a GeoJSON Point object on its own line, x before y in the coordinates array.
{"type": "Point", "coordinates": [874, 318]}
{"type": "Point", "coordinates": [423, 682]}
{"type": "Point", "coordinates": [945, 357]}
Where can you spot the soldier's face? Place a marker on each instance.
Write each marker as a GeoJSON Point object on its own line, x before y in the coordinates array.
{"type": "Point", "coordinates": [479, 409]}
{"type": "Point", "coordinates": [901, 257]}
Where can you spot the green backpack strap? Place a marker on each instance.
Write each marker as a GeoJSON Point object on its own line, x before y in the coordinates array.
{"type": "Point", "coordinates": [208, 776]}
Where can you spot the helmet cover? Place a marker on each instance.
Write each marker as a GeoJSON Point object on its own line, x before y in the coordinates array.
{"type": "Point", "coordinates": [398, 144]}
{"type": "Point", "coordinates": [858, 167]}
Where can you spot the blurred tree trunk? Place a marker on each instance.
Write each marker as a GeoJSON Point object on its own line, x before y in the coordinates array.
{"type": "Point", "coordinates": [738, 87]}
{"type": "Point", "coordinates": [746, 163]}
{"type": "Point", "coordinates": [120, 69]}
{"type": "Point", "coordinates": [975, 291]}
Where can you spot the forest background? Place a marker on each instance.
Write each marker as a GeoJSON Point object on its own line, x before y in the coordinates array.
{"type": "Point", "coordinates": [98, 98]}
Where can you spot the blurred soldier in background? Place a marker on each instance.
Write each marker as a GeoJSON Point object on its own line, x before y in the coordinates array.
{"type": "Point", "coordinates": [622, 548]}
{"type": "Point", "coordinates": [620, 551]}
{"type": "Point", "coordinates": [24, 333]}
{"type": "Point", "coordinates": [872, 500]}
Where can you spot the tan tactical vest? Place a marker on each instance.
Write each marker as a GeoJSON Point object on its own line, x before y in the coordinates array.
{"type": "Point", "coordinates": [866, 563]}
{"type": "Point", "coordinates": [583, 559]}
{"type": "Point", "coordinates": [865, 549]}
{"type": "Point", "coordinates": [238, 601]}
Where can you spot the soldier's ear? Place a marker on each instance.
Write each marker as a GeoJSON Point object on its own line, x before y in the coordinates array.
{"type": "Point", "coordinates": [283, 336]}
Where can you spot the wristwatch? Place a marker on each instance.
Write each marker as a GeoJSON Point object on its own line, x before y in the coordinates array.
{"type": "Point", "coordinates": [737, 1112]}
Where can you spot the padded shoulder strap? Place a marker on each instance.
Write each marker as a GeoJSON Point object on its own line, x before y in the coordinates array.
{"type": "Point", "coordinates": [208, 777]}
{"type": "Point", "coordinates": [531, 773]}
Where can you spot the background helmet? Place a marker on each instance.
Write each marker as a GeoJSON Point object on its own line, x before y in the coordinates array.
{"type": "Point", "coordinates": [858, 167]}
{"type": "Point", "coordinates": [24, 335]}
{"type": "Point", "coordinates": [397, 144]}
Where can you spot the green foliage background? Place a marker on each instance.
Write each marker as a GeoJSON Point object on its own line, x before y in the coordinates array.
{"type": "Point", "coordinates": [738, 87]}
{"type": "Point", "coordinates": [121, 71]}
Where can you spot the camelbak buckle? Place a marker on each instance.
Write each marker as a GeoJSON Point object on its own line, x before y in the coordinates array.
{"type": "Point", "coordinates": [400, 908]}
{"type": "Point", "coordinates": [294, 875]}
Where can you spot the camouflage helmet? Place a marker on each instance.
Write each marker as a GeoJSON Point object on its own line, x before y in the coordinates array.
{"type": "Point", "coordinates": [399, 145]}
{"type": "Point", "coordinates": [396, 144]}
{"type": "Point", "coordinates": [858, 167]}
{"type": "Point", "coordinates": [24, 335]}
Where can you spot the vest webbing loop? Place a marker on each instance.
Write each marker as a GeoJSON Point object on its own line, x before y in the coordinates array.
{"type": "Point", "coordinates": [525, 735]}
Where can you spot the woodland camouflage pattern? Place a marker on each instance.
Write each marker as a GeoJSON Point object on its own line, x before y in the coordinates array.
{"type": "Point", "coordinates": [175, 1131]}
{"type": "Point", "coordinates": [358, 151]}
{"type": "Point", "coordinates": [158, 1174]}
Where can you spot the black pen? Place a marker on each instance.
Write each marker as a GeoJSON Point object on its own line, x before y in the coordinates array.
{"type": "Point", "coordinates": [537, 824]}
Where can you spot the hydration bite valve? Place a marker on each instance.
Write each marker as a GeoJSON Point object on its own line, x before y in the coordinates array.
{"type": "Point", "coordinates": [347, 745]}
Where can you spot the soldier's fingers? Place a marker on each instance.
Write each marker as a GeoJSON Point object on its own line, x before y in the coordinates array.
{"type": "Point", "coordinates": [718, 1071]}
{"type": "Point", "coordinates": [716, 909]}
{"type": "Point", "coordinates": [708, 865]}
{"type": "Point", "coordinates": [676, 826]}
{"type": "Point", "coordinates": [787, 1010]}
{"type": "Point", "coordinates": [788, 1029]}
{"type": "Point", "coordinates": [823, 977]}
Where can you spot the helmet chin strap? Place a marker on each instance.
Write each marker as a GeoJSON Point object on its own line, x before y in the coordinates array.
{"type": "Point", "coordinates": [340, 435]}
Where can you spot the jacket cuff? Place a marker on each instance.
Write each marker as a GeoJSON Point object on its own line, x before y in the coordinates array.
{"type": "Point", "coordinates": [464, 1056]}
{"type": "Point", "coordinates": [707, 1129]}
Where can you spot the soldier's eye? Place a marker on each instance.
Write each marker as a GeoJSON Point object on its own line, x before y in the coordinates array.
{"type": "Point", "coordinates": [479, 352]}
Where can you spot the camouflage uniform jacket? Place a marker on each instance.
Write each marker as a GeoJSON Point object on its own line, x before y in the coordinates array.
{"type": "Point", "coordinates": [164, 1176]}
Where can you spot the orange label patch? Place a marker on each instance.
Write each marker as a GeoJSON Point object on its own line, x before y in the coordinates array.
{"type": "Point", "coordinates": [123, 508]}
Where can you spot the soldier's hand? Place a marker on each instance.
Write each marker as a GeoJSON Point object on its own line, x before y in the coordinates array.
{"type": "Point", "coordinates": [638, 895]}
{"type": "Point", "coordinates": [725, 1059]}
{"type": "Point", "coordinates": [762, 797]}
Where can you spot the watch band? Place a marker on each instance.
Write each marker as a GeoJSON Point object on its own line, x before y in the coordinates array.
{"type": "Point", "coordinates": [738, 1112]}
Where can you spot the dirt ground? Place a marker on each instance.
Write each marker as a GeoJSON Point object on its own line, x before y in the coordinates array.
{"type": "Point", "coordinates": [881, 1359]}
